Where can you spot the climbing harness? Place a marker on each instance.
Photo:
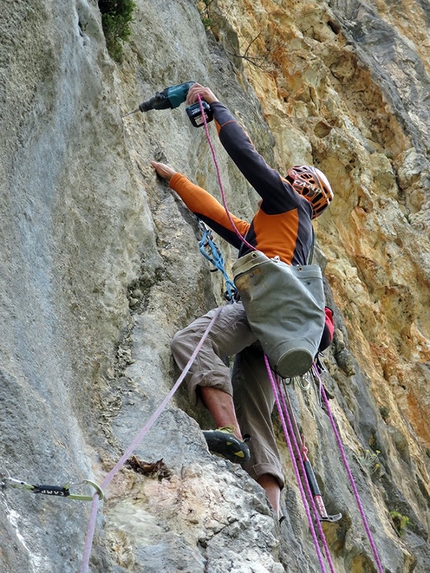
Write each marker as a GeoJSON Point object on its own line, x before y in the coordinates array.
{"type": "Point", "coordinates": [54, 490]}
{"type": "Point", "coordinates": [211, 252]}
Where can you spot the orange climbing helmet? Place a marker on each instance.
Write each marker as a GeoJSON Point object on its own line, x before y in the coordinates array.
{"type": "Point", "coordinates": [313, 185]}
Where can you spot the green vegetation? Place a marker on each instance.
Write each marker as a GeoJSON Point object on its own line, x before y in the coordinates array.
{"type": "Point", "coordinates": [117, 16]}
{"type": "Point", "coordinates": [370, 461]}
{"type": "Point", "coordinates": [204, 7]}
{"type": "Point", "coordinates": [385, 412]}
{"type": "Point", "coordinates": [400, 522]}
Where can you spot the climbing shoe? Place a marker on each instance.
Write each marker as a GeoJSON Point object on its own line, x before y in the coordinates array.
{"type": "Point", "coordinates": [223, 442]}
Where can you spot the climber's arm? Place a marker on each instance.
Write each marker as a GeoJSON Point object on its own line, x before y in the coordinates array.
{"type": "Point", "coordinates": [208, 209]}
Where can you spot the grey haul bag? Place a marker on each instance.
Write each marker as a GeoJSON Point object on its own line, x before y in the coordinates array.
{"type": "Point", "coordinates": [284, 305]}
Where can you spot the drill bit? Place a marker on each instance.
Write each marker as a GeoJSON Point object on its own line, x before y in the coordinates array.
{"type": "Point", "coordinates": [130, 112]}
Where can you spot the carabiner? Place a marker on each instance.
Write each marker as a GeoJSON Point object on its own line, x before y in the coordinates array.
{"type": "Point", "coordinates": [85, 497]}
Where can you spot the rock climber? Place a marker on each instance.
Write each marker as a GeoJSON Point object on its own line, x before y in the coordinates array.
{"type": "Point", "coordinates": [241, 402]}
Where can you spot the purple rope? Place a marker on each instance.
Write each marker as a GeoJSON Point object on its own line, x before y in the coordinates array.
{"type": "Point", "coordinates": [221, 186]}
{"type": "Point", "coordinates": [293, 459]}
{"type": "Point", "coordinates": [339, 441]}
{"type": "Point", "coordinates": [304, 476]}
{"type": "Point", "coordinates": [93, 515]}
{"type": "Point", "coordinates": [311, 525]}
{"type": "Point", "coordinates": [348, 471]}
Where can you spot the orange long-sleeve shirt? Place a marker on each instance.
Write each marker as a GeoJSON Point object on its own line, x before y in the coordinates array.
{"type": "Point", "coordinates": [282, 226]}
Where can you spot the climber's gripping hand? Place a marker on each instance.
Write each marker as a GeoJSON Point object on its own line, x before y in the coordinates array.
{"type": "Point", "coordinates": [163, 170]}
{"type": "Point", "coordinates": [198, 90]}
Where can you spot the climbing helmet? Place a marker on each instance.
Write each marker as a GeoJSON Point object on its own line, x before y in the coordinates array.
{"type": "Point", "coordinates": [313, 185]}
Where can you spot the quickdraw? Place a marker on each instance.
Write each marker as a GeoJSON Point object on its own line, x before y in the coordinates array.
{"type": "Point", "coordinates": [211, 252]}
{"type": "Point", "coordinates": [54, 490]}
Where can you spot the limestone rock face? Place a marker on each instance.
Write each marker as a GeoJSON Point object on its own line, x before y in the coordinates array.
{"type": "Point", "coordinates": [100, 266]}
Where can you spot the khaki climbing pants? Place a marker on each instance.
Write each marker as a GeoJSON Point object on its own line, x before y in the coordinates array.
{"type": "Point", "coordinates": [249, 384]}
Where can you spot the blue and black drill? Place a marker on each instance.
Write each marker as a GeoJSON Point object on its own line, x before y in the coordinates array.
{"type": "Point", "coordinates": [171, 98]}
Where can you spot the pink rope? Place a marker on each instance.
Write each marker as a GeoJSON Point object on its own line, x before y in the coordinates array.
{"type": "Point", "coordinates": [311, 525]}
{"type": "Point", "coordinates": [221, 186]}
{"type": "Point", "coordinates": [93, 515]}
{"type": "Point", "coordinates": [348, 471]}
{"type": "Point", "coordinates": [284, 425]}
{"type": "Point", "coordinates": [287, 432]}
{"type": "Point", "coordinates": [305, 479]}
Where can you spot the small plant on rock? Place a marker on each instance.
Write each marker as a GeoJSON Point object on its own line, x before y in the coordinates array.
{"type": "Point", "coordinates": [117, 16]}
{"type": "Point", "coordinates": [400, 522]}
{"type": "Point", "coordinates": [385, 412]}
{"type": "Point", "coordinates": [369, 460]}
{"type": "Point", "coordinates": [204, 8]}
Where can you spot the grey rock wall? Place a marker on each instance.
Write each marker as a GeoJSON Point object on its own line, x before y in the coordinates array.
{"type": "Point", "coordinates": [99, 266]}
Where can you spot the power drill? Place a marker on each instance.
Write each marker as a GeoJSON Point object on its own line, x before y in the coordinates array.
{"type": "Point", "coordinates": [171, 98]}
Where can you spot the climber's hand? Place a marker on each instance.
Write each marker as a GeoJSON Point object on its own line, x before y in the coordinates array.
{"type": "Point", "coordinates": [205, 93]}
{"type": "Point", "coordinates": [163, 170]}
